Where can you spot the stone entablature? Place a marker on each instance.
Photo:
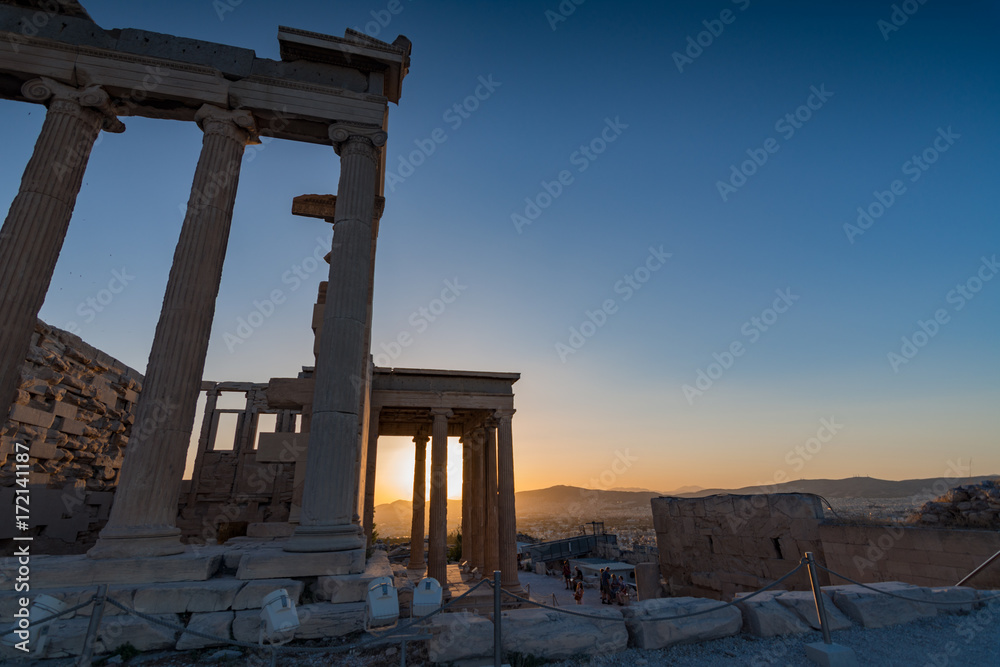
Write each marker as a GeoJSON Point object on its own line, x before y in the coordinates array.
{"type": "Point", "coordinates": [320, 79]}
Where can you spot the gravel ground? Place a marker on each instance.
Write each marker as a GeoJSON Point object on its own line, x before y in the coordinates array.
{"type": "Point", "coordinates": [947, 640]}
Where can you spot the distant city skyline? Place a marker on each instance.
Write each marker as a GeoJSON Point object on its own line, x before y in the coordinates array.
{"type": "Point", "coordinates": [722, 243]}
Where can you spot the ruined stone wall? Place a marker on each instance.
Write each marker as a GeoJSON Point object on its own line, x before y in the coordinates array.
{"type": "Point", "coordinates": [721, 545]}
{"type": "Point", "coordinates": [920, 556]}
{"type": "Point", "coordinates": [73, 410]}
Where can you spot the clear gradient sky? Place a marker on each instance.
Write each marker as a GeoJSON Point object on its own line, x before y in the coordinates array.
{"type": "Point", "coordinates": [691, 195]}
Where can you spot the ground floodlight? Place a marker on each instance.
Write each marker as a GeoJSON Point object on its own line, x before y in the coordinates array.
{"type": "Point", "coordinates": [382, 603]}
{"type": "Point", "coordinates": [28, 633]}
{"type": "Point", "coordinates": [427, 596]}
{"type": "Point", "coordinates": [278, 618]}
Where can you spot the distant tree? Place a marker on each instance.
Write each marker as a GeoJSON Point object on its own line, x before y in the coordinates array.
{"type": "Point", "coordinates": [455, 546]}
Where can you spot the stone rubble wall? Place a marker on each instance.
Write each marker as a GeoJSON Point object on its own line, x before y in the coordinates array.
{"type": "Point", "coordinates": [969, 506]}
{"type": "Point", "coordinates": [74, 410]}
{"type": "Point", "coordinates": [721, 545]}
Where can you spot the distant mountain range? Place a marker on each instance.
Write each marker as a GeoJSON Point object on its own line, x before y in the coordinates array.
{"type": "Point", "coordinates": [576, 502]}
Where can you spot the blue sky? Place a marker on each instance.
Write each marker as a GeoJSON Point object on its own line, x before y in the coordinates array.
{"type": "Point", "coordinates": [674, 127]}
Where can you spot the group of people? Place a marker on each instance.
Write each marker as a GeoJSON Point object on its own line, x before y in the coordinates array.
{"type": "Point", "coordinates": [574, 582]}
{"type": "Point", "coordinates": [614, 590]}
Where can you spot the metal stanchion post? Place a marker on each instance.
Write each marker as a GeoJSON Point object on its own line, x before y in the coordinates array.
{"type": "Point", "coordinates": [497, 645]}
{"type": "Point", "coordinates": [824, 625]}
{"type": "Point", "coordinates": [95, 622]}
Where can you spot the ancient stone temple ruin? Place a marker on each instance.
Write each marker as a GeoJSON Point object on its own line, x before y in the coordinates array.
{"type": "Point", "coordinates": [309, 483]}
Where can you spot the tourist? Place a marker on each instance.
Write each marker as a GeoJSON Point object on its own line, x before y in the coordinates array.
{"type": "Point", "coordinates": [605, 585]}
{"type": "Point", "coordinates": [622, 596]}
{"type": "Point", "coordinates": [613, 589]}
{"type": "Point", "coordinates": [578, 595]}
{"type": "Point", "coordinates": [579, 575]}
{"type": "Point", "coordinates": [566, 574]}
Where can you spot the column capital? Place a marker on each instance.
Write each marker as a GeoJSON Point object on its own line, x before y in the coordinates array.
{"type": "Point", "coordinates": [421, 439]}
{"type": "Point", "coordinates": [503, 414]}
{"type": "Point", "coordinates": [95, 97]}
{"type": "Point", "coordinates": [236, 124]}
{"type": "Point", "coordinates": [442, 412]}
{"type": "Point", "coordinates": [354, 137]}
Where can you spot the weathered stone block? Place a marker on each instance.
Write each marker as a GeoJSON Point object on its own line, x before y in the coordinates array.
{"type": "Point", "coordinates": [274, 563]}
{"type": "Point", "coordinates": [325, 619]}
{"type": "Point", "coordinates": [218, 624]}
{"type": "Point", "coordinates": [142, 634]}
{"type": "Point", "coordinates": [352, 587]}
{"type": "Point", "coordinates": [180, 597]}
{"type": "Point", "coordinates": [32, 416]}
{"type": "Point", "coordinates": [251, 596]}
{"type": "Point", "coordinates": [804, 605]}
{"type": "Point", "coordinates": [650, 626]}
{"type": "Point", "coordinates": [459, 636]}
{"type": "Point", "coordinates": [874, 610]}
{"type": "Point", "coordinates": [551, 635]}
{"type": "Point", "coordinates": [764, 616]}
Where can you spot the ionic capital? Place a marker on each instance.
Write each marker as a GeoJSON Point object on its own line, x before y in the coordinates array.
{"type": "Point", "coordinates": [503, 414]}
{"type": "Point", "coordinates": [71, 99]}
{"type": "Point", "coordinates": [355, 139]}
{"type": "Point", "coordinates": [235, 124]}
{"type": "Point", "coordinates": [442, 412]}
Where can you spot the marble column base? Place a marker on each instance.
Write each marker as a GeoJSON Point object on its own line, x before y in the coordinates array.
{"type": "Point", "coordinates": [138, 542]}
{"type": "Point", "coordinates": [310, 539]}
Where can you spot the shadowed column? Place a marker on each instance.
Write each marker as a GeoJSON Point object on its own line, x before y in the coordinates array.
{"type": "Point", "coordinates": [466, 495]}
{"type": "Point", "coordinates": [33, 233]}
{"type": "Point", "coordinates": [369, 509]}
{"type": "Point", "coordinates": [477, 515]}
{"type": "Point", "coordinates": [437, 534]}
{"type": "Point", "coordinates": [491, 557]}
{"type": "Point", "coordinates": [506, 516]}
{"type": "Point", "coordinates": [419, 495]}
{"type": "Point", "coordinates": [330, 491]}
{"type": "Point", "coordinates": [143, 517]}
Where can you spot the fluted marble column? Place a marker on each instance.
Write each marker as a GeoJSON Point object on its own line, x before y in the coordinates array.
{"type": "Point", "coordinates": [33, 233]}
{"type": "Point", "coordinates": [369, 509]}
{"type": "Point", "coordinates": [331, 486]}
{"type": "Point", "coordinates": [143, 517]}
{"type": "Point", "coordinates": [478, 514]}
{"type": "Point", "coordinates": [491, 554]}
{"type": "Point", "coordinates": [437, 533]}
{"type": "Point", "coordinates": [506, 515]}
{"type": "Point", "coordinates": [419, 496]}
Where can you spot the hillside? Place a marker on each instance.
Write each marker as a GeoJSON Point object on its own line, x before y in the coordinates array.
{"type": "Point", "coordinates": [571, 503]}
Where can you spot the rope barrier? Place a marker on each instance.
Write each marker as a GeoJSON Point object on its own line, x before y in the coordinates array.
{"type": "Point", "coordinates": [901, 597]}
{"type": "Point", "coordinates": [722, 605]}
